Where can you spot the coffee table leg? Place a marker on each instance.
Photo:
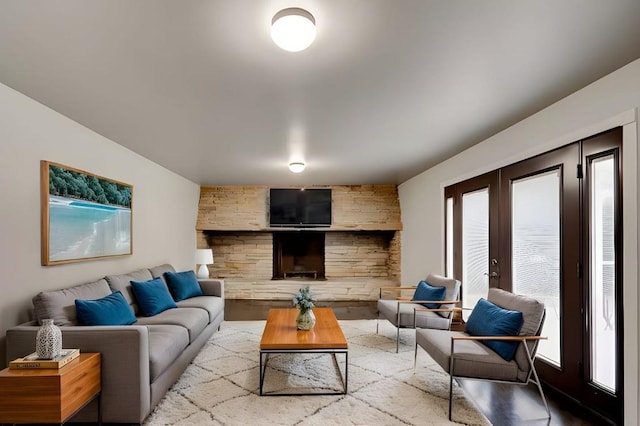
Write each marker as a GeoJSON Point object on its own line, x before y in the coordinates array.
{"type": "Point", "coordinates": [263, 369]}
{"type": "Point", "coordinates": [344, 379]}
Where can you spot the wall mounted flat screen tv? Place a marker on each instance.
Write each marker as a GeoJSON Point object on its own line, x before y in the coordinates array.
{"type": "Point", "coordinates": [300, 207]}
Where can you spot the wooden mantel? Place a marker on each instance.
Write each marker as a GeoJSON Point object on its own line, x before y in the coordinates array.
{"type": "Point", "coordinates": [244, 208]}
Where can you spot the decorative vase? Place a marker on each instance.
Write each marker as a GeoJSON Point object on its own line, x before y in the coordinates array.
{"type": "Point", "coordinates": [305, 320]}
{"type": "Point", "coordinates": [48, 340]}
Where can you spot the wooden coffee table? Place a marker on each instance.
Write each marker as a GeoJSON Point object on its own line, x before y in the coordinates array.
{"type": "Point", "coordinates": [280, 336]}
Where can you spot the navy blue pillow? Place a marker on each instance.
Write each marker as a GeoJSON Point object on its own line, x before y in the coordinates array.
{"type": "Point", "coordinates": [152, 296]}
{"type": "Point", "coordinates": [425, 291]}
{"type": "Point", "coordinates": [183, 285]}
{"type": "Point", "coordinates": [489, 319]}
{"type": "Point", "coordinates": [109, 310]}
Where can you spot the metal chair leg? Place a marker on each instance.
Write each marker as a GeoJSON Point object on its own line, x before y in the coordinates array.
{"type": "Point", "coordinates": [537, 380]}
{"type": "Point", "coordinates": [451, 381]}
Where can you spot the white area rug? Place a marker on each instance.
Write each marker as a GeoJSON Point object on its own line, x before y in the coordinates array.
{"type": "Point", "coordinates": [221, 386]}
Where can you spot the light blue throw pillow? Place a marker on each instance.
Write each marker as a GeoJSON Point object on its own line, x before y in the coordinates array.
{"type": "Point", "coordinates": [489, 319]}
{"type": "Point", "coordinates": [183, 285]}
{"type": "Point", "coordinates": [109, 310]}
{"type": "Point", "coordinates": [425, 291]}
{"type": "Point", "coordinates": [152, 296]}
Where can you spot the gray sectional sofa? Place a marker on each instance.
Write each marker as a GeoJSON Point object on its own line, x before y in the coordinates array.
{"type": "Point", "coordinates": [140, 362]}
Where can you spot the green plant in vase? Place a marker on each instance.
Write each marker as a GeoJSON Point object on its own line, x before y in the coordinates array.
{"type": "Point", "coordinates": [303, 300]}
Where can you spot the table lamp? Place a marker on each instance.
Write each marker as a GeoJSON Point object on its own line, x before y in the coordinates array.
{"type": "Point", "coordinates": [204, 257]}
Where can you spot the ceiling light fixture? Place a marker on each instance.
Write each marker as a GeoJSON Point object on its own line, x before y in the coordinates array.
{"type": "Point", "coordinates": [293, 29]}
{"type": "Point", "coordinates": [297, 167]}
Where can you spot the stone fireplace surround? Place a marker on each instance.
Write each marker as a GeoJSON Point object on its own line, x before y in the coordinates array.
{"type": "Point", "coordinates": [361, 248]}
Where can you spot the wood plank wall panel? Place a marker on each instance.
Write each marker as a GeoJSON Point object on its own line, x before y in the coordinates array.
{"type": "Point", "coordinates": [244, 208]}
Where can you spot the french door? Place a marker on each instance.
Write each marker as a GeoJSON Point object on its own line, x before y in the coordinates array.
{"type": "Point", "coordinates": [550, 227]}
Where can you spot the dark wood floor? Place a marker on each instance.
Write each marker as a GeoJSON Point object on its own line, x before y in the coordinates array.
{"type": "Point", "coordinates": [502, 404]}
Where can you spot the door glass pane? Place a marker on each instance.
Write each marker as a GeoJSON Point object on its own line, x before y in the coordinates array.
{"type": "Point", "coordinates": [603, 277]}
{"type": "Point", "coordinates": [449, 254]}
{"type": "Point", "coordinates": [475, 247]}
{"type": "Point", "coordinates": [536, 251]}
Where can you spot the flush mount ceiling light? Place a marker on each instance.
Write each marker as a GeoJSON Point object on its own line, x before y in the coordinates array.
{"type": "Point", "coordinates": [297, 167]}
{"type": "Point", "coordinates": [293, 29]}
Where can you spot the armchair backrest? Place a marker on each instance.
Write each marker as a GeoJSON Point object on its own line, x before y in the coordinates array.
{"type": "Point", "coordinates": [533, 313]}
{"type": "Point", "coordinates": [453, 291]}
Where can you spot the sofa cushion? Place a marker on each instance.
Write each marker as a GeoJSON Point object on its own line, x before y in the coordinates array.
{"type": "Point", "coordinates": [59, 305]}
{"type": "Point", "coordinates": [109, 310]}
{"type": "Point", "coordinates": [194, 320]}
{"type": "Point", "coordinates": [425, 291]}
{"type": "Point", "coordinates": [152, 296]}
{"type": "Point", "coordinates": [182, 285]}
{"type": "Point", "coordinates": [212, 304]}
{"type": "Point", "coordinates": [122, 283]}
{"type": "Point", "coordinates": [489, 319]}
{"type": "Point", "coordinates": [166, 344]}
{"type": "Point", "coordinates": [158, 271]}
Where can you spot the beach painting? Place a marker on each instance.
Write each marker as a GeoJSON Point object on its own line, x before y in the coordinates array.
{"type": "Point", "coordinates": [84, 216]}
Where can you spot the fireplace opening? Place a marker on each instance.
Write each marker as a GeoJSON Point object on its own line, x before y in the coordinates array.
{"type": "Point", "coordinates": [298, 255]}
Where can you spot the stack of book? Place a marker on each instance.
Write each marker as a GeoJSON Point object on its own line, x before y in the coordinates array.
{"type": "Point", "coordinates": [32, 360]}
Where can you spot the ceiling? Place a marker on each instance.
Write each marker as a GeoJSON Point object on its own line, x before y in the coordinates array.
{"type": "Point", "coordinates": [387, 90]}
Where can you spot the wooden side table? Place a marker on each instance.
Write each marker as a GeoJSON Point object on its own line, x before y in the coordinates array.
{"type": "Point", "coordinates": [50, 395]}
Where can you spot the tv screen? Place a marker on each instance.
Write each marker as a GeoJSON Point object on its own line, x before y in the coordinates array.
{"type": "Point", "coordinates": [300, 207]}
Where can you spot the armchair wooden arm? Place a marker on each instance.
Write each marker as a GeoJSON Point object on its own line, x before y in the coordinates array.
{"type": "Point", "coordinates": [505, 338]}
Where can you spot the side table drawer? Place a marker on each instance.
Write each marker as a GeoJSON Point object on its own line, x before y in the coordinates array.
{"type": "Point", "coordinates": [49, 395]}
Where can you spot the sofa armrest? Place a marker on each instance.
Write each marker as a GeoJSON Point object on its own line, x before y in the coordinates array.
{"type": "Point", "coordinates": [125, 363]}
{"type": "Point", "coordinates": [212, 287]}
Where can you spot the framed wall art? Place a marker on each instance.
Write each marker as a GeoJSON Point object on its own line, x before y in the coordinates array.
{"type": "Point", "coordinates": [84, 216]}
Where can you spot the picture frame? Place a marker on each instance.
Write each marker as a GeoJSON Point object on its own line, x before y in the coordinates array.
{"type": "Point", "coordinates": [84, 216]}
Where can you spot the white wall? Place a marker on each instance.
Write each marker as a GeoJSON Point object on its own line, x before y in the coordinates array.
{"type": "Point", "coordinates": [164, 204]}
{"type": "Point", "coordinates": [609, 102]}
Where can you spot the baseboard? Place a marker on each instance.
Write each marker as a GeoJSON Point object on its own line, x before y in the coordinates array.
{"type": "Point", "coordinates": [575, 405]}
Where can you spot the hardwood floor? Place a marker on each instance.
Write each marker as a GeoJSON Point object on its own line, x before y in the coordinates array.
{"type": "Point", "coordinates": [502, 404]}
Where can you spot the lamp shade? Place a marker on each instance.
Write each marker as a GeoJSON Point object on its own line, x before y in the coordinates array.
{"type": "Point", "coordinates": [293, 29]}
{"type": "Point", "coordinates": [204, 257]}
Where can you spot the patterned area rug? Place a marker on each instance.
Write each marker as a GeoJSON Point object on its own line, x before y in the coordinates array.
{"type": "Point", "coordinates": [221, 386]}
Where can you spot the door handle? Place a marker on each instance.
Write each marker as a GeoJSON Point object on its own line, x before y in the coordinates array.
{"type": "Point", "coordinates": [494, 275]}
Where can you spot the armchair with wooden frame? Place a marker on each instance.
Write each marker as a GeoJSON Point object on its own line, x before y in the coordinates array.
{"type": "Point", "coordinates": [464, 356]}
{"type": "Point", "coordinates": [403, 312]}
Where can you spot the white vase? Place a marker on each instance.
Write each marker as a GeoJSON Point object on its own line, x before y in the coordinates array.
{"type": "Point", "coordinates": [48, 340]}
{"type": "Point", "coordinates": [305, 320]}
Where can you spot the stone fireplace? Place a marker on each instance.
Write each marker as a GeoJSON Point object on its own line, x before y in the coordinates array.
{"type": "Point", "coordinates": [347, 261]}
{"type": "Point", "coordinates": [298, 254]}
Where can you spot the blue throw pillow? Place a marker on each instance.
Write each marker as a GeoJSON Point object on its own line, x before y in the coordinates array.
{"type": "Point", "coordinates": [109, 310]}
{"type": "Point", "coordinates": [152, 296]}
{"type": "Point", "coordinates": [489, 319]}
{"type": "Point", "coordinates": [183, 285]}
{"type": "Point", "coordinates": [425, 291]}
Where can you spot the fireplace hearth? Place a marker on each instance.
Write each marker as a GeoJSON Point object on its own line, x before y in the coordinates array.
{"type": "Point", "coordinates": [298, 255]}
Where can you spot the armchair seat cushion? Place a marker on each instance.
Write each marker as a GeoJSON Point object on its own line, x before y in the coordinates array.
{"type": "Point", "coordinates": [389, 308]}
{"type": "Point", "coordinates": [472, 359]}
